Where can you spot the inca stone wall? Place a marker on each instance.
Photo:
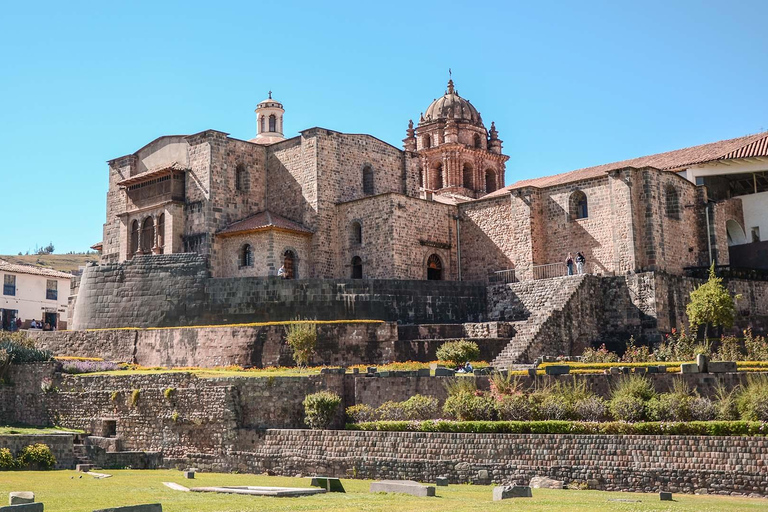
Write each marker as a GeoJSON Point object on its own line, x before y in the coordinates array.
{"type": "Point", "coordinates": [721, 465]}
{"type": "Point", "coordinates": [255, 346]}
{"type": "Point", "coordinates": [60, 445]}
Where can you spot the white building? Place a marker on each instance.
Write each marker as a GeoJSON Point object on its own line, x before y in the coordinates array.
{"type": "Point", "coordinates": [33, 293]}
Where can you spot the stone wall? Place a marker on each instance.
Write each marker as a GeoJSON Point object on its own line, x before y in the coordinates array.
{"type": "Point", "coordinates": [254, 346]}
{"type": "Point", "coordinates": [684, 464]}
{"type": "Point", "coordinates": [60, 445]}
{"type": "Point", "coordinates": [176, 290]}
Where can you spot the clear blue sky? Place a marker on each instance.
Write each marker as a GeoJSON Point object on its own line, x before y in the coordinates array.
{"type": "Point", "coordinates": [569, 84]}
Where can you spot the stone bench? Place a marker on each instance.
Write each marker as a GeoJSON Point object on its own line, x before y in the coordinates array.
{"type": "Point", "coordinates": [154, 507]}
{"type": "Point", "coordinates": [404, 487]}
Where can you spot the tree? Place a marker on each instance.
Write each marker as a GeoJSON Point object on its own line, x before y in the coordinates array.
{"type": "Point", "coordinates": [711, 304]}
{"type": "Point", "coordinates": [302, 337]}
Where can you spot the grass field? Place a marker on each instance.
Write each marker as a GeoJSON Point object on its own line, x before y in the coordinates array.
{"type": "Point", "coordinates": [65, 491]}
{"type": "Point", "coordinates": [61, 262]}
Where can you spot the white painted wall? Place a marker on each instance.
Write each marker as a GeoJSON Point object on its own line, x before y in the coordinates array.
{"type": "Point", "coordinates": [755, 214]}
{"type": "Point", "coordinates": [30, 301]}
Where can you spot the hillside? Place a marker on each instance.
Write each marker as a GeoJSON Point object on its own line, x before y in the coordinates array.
{"type": "Point", "coordinates": [62, 262]}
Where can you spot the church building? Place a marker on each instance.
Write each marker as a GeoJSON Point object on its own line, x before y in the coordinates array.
{"type": "Point", "coordinates": [326, 204]}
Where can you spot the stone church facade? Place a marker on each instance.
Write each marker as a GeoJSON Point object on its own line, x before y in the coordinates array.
{"type": "Point", "coordinates": [331, 205]}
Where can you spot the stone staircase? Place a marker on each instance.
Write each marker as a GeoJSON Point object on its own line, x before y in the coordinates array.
{"type": "Point", "coordinates": [530, 307]}
{"type": "Point", "coordinates": [80, 450]}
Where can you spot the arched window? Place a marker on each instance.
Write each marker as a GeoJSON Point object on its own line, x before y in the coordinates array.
{"type": "Point", "coordinates": [434, 268]}
{"type": "Point", "coordinates": [242, 179]}
{"type": "Point", "coordinates": [148, 235]}
{"type": "Point", "coordinates": [272, 123]}
{"type": "Point", "coordinates": [427, 142]}
{"type": "Point", "coordinates": [134, 247]}
{"type": "Point", "coordinates": [735, 233]}
{"type": "Point", "coordinates": [478, 141]}
{"type": "Point", "coordinates": [467, 175]}
{"type": "Point", "coordinates": [357, 268]}
{"type": "Point", "coordinates": [490, 181]}
{"type": "Point", "coordinates": [289, 262]}
{"type": "Point", "coordinates": [367, 180]}
{"type": "Point", "coordinates": [578, 205]}
{"type": "Point", "coordinates": [262, 128]}
{"type": "Point", "coordinates": [161, 234]}
{"type": "Point", "coordinates": [357, 233]}
{"type": "Point", "coordinates": [421, 178]}
{"type": "Point", "coordinates": [437, 182]}
{"type": "Point", "coordinates": [673, 202]}
{"type": "Point", "coordinates": [246, 256]}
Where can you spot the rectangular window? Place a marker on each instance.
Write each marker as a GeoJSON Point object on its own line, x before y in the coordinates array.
{"type": "Point", "coordinates": [9, 285]}
{"type": "Point", "coordinates": [51, 289]}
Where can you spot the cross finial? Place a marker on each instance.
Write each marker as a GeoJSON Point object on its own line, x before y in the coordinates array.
{"type": "Point", "coordinates": [270, 94]}
{"type": "Point", "coordinates": [450, 75]}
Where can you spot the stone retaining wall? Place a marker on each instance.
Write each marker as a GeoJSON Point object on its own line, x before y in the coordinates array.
{"type": "Point", "coordinates": [60, 445]}
{"type": "Point", "coordinates": [722, 465]}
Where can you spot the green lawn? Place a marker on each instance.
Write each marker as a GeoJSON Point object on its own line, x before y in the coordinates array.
{"type": "Point", "coordinates": [65, 491]}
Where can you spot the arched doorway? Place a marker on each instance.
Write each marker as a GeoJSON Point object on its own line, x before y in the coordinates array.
{"type": "Point", "coordinates": [434, 268]}
{"type": "Point", "coordinates": [134, 248]}
{"type": "Point", "coordinates": [467, 173]}
{"type": "Point", "coordinates": [289, 262]}
{"type": "Point", "coordinates": [490, 181]}
{"type": "Point", "coordinates": [357, 268]}
{"type": "Point", "coordinates": [736, 235]}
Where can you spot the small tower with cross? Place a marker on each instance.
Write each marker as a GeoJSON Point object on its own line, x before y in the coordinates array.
{"type": "Point", "coordinates": [269, 121]}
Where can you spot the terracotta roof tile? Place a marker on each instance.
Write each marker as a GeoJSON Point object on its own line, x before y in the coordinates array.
{"type": "Point", "coordinates": [30, 269]}
{"type": "Point", "coordinates": [742, 147]}
{"type": "Point", "coordinates": [261, 221]}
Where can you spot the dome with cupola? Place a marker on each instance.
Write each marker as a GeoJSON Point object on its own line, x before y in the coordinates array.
{"type": "Point", "coordinates": [451, 106]}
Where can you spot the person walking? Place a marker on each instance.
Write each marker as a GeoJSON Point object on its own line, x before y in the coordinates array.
{"type": "Point", "coordinates": [580, 261]}
{"type": "Point", "coordinates": [569, 264]}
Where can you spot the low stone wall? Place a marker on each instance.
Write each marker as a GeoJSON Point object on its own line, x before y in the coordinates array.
{"type": "Point", "coordinates": [61, 446]}
{"type": "Point", "coordinates": [721, 465]}
{"type": "Point", "coordinates": [255, 346]}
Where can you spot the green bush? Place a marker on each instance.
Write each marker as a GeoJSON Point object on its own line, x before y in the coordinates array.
{"type": "Point", "coordinates": [504, 384]}
{"type": "Point", "coordinates": [460, 385]}
{"type": "Point", "coordinates": [36, 457]}
{"type": "Point", "coordinates": [627, 408]}
{"type": "Point", "coordinates": [458, 352]}
{"type": "Point", "coordinates": [729, 350]}
{"type": "Point", "coordinates": [756, 346]}
{"type": "Point", "coordinates": [590, 409]}
{"type": "Point", "coordinates": [726, 406]}
{"type": "Point", "coordinates": [320, 409]}
{"type": "Point", "coordinates": [302, 338]}
{"type": "Point", "coordinates": [599, 355]}
{"type": "Point", "coordinates": [515, 408]}
{"type": "Point", "coordinates": [16, 348]}
{"type": "Point", "coordinates": [470, 407]}
{"type": "Point", "coordinates": [390, 411]}
{"type": "Point", "coordinates": [420, 407]}
{"type": "Point", "coordinates": [134, 400]}
{"type": "Point", "coordinates": [700, 428]}
{"type": "Point", "coordinates": [752, 399]}
{"type": "Point", "coordinates": [7, 462]}
{"type": "Point", "coordinates": [361, 413]}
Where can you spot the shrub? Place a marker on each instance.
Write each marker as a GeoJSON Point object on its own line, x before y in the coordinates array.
{"type": "Point", "coordinates": [600, 355]}
{"type": "Point", "coordinates": [458, 352]}
{"type": "Point", "coordinates": [637, 354]}
{"type": "Point", "coordinates": [729, 350]}
{"type": "Point", "coordinates": [460, 385]}
{"type": "Point", "coordinates": [756, 346]}
{"type": "Point", "coordinates": [391, 411]}
{"type": "Point", "coordinates": [711, 304]}
{"type": "Point", "coordinates": [17, 348]}
{"type": "Point", "coordinates": [634, 385]}
{"type": "Point", "coordinates": [7, 462]}
{"type": "Point", "coordinates": [135, 394]}
{"type": "Point", "coordinates": [752, 400]}
{"type": "Point", "coordinates": [361, 413]}
{"type": "Point", "coordinates": [504, 384]}
{"type": "Point", "coordinates": [627, 408]}
{"type": "Point", "coordinates": [75, 366]}
{"type": "Point", "coordinates": [320, 409]}
{"type": "Point", "coordinates": [703, 409]}
{"type": "Point", "coordinates": [114, 396]}
{"type": "Point", "coordinates": [514, 408]}
{"type": "Point", "coordinates": [469, 407]}
{"type": "Point", "coordinates": [726, 407]}
{"type": "Point", "coordinates": [420, 407]}
{"type": "Point", "coordinates": [302, 338]}
{"type": "Point", "coordinates": [175, 416]}
{"type": "Point", "coordinates": [590, 409]}
{"type": "Point", "coordinates": [168, 393]}
{"type": "Point", "coordinates": [677, 346]}
{"type": "Point", "coordinates": [37, 457]}
{"type": "Point", "coordinates": [553, 407]}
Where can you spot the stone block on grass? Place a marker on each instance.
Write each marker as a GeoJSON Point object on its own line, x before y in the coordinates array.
{"type": "Point", "coordinates": [327, 483]}
{"type": "Point", "coordinates": [20, 497]}
{"type": "Point", "coordinates": [722, 366]}
{"type": "Point", "coordinates": [444, 372]}
{"type": "Point", "coordinates": [441, 481]}
{"type": "Point", "coordinates": [505, 492]}
{"type": "Point", "coordinates": [404, 487]}
{"type": "Point", "coordinates": [153, 507]}
{"type": "Point", "coordinates": [557, 369]}
{"type": "Point", "coordinates": [543, 482]}
{"type": "Point", "coordinates": [23, 507]}
{"type": "Point", "coordinates": [689, 368]}
{"type": "Point", "coordinates": [665, 496]}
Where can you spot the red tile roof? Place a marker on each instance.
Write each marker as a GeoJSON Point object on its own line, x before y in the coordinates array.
{"type": "Point", "coordinates": [262, 221]}
{"type": "Point", "coordinates": [30, 269]}
{"type": "Point", "coordinates": [742, 147]}
{"type": "Point", "coordinates": [155, 172]}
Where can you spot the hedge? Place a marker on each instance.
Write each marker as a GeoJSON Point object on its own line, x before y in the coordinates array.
{"type": "Point", "coordinates": [690, 428]}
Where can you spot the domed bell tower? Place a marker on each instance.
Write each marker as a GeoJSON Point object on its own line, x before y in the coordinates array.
{"type": "Point", "coordinates": [269, 121]}
{"type": "Point", "coordinates": [458, 155]}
